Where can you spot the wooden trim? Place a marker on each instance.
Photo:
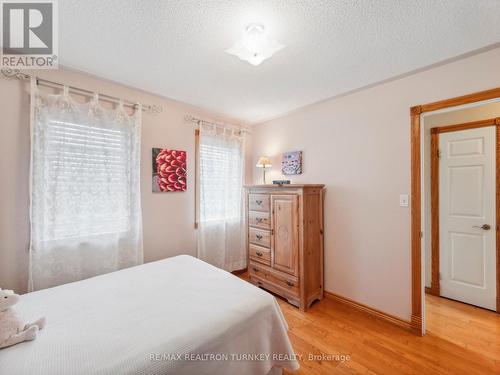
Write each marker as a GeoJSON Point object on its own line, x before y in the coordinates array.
{"type": "Point", "coordinates": [322, 239]}
{"type": "Point", "coordinates": [466, 126]}
{"type": "Point", "coordinates": [435, 212]}
{"type": "Point", "coordinates": [497, 122]}
{"type": "Point", "coordinates": [430, 291]}
{"type": "Point", "coordinates": [370, 310]}
{"type": "Point", "coordinates": [461, 100]}
{"type": "Point", "coordinates": [415, 236]}
{"type": "Point", "coordinates": [416, 225]}
{"type": "Point", "coordinates": [417, 325]}
{"type": "Point", "coordinates": [196, 178]}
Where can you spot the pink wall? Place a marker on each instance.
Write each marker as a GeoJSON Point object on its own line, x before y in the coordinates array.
{"type": "Point", "coordinates": [359, 146]}
{"type": "Point", "coordinates": [168, 218]}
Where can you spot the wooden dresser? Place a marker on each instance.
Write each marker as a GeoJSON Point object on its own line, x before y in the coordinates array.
{"type": "Point", "coordinates": [285, 240]}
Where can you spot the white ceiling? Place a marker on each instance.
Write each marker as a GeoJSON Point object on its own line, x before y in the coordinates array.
{"type": "Point", "coordinates": [176, 48]}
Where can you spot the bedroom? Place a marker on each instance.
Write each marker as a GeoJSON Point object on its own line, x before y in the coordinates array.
{"type": "Point", "coordinates": [347, 92]}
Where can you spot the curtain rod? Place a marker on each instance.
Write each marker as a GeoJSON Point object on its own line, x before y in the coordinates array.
{"type": "Point", "coordinates": [17, 74]}
{"type": "Point", "coordinates": [199, 121]}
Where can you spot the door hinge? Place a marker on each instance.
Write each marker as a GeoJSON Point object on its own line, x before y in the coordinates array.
{"type": "Point", "coordinates": [439, 154]}
{"type": "Point", "coordinates": [421, 234]}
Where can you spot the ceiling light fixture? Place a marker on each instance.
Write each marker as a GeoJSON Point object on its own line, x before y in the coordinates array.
{"type": "Point", "coordinates": [255, 46]}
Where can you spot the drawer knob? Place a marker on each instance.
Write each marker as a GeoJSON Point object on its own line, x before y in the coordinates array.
{"type": "Point", "coordinates": [255, 269]}
{"type": "Point", "coordinates": [258, 282]}
{"type": "Point", "coordinates": [258, 236]}
{"type": "Point", "coordinates": [289, 283]}
{"type": "Point", "coordinates": [259, 202]}
{"type": "Point", "coordinates": [259, 254]}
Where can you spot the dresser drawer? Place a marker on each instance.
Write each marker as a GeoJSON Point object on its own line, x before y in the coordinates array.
{"type": "Point", "coordinates": [291, 297]}
{"type": "Point", "coordinates": [259, 237]}
{"type": "Point", "coordinates": [260, 254]}
{"type": "Point", "coordinates": [258, 202]}
{"type": "Point", "coordinates": [290, 284]}
{"type": "Point", "coordinates": [259, 219]}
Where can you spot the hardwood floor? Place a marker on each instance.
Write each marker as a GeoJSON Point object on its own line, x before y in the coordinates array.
{"type": "Point", "coordinates": [470, 345]}
{"type": "Point", "coordinates": [475, 329]}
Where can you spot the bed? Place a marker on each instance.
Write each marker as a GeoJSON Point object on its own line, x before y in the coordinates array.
{"type": "Point", "coordinates": [175, 316]}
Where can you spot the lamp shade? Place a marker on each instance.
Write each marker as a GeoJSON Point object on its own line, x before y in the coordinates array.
{"type": "Point", "coordinates": [263, 162]}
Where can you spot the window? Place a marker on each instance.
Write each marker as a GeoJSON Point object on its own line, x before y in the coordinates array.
{"type": "Point", "coordinates": [85, 189]}
{"type": "Point", "coordinates": [88, 175]}
{"type": "Point", "coordinates": [220, 172]}
{"type": "Point", "coordinates": [221, 180]}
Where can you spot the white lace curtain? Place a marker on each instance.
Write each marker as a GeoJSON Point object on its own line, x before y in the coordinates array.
{"type": "Point", "coordinates": [85, 189]}
{"type": "Point", "coordinates": [221, 230]}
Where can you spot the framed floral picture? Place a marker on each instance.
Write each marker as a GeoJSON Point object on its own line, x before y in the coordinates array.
{"type": "Point", "coordinates": [169, 170]}
{"type": "Point", "coordinates": [291, 163]}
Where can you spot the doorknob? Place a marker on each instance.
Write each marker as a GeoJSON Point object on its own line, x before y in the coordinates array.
{"type": "Point", "coordinates": [483, 227]}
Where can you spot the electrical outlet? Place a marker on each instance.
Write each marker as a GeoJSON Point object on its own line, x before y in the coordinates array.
{"type": "Point", "coordinates": [403, 200]}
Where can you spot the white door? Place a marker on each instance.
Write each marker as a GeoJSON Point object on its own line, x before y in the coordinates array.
{"type": "Point", "coordinates": [467, 222]}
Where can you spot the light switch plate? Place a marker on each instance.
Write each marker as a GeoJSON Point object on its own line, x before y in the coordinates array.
{"type": "Point", "coordinates": [403, 200]}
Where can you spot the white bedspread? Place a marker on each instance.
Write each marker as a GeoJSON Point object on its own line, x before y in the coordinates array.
{"type": "Point", "coordinates": [147, 319]}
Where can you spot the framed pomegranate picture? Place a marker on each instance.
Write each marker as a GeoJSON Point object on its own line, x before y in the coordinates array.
{"type": "Point", "coordinates": [169, 170]}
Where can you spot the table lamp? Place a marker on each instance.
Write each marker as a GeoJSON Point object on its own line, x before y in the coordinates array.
{"type": "Point", "coordinates": [264, 163]}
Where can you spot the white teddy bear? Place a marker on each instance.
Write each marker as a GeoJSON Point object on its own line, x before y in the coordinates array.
{"type": "Point", "coordinates": [12, 330]}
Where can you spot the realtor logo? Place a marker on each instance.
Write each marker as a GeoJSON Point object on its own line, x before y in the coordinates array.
{"type": "Point", "coordinates": [29, 34]}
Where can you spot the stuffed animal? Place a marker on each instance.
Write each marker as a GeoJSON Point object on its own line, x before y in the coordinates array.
{"type": "Point", "coordinates": [12, 330]}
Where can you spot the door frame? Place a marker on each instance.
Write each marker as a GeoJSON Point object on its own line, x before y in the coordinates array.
{"type": "Point", "coordinates": [435, 253]}
{"type": "Point", "coordinates": [416, 113]}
